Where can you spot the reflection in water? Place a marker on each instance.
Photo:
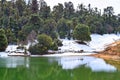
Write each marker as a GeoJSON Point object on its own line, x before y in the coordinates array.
{"type": "Point", "coordinates": [100, 65]}
{"type": "Point", "coordinates": [95, 64]}
{"type": "Point", "coordinates": [13, 62]}
{"type": "Point", "coordinates": [56, 68]}
{"type": "Point", "coordinates": [70, 62]}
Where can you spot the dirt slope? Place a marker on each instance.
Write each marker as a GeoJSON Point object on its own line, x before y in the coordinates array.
{"type": "Point", "coordinates": [111, 52]}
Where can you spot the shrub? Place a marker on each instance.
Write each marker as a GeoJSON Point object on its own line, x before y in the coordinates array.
{"type": "Point", "coordinates": [82, 33]}
{"type": "Point", "coordinates": [44, 44]}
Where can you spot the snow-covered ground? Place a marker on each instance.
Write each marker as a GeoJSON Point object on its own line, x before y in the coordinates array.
{"type": "Point", "coordinates": [11, 49]}
{"type": "Point", "coordinates": [98, 43]}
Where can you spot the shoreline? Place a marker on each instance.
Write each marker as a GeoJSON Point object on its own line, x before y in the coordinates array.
{"type": "Point", "coordinates": [97, 55]}
{"type": "Point", "coordinates": [110, 53]}
{"type": "Point", "coordinates": [106, 56]}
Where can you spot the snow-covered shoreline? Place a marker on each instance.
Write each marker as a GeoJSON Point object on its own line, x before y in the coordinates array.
{"type": "Point", "coordinates": [70, 47]}
{"type": "Point", "coordinates": [98, 43]}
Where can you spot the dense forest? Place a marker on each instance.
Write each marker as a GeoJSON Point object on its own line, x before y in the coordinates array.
{"type": "Point", "coordinates": [22, 21]}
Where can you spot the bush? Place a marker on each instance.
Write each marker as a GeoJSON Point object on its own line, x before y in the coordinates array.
{"type": "Point", "coordinates": [58, 42]}
{"type": "Point", "coordinates": [3, 40]}
{"type": "Point", "coordinates": [44, 44]}
{"type": "Point", "coordinates": [54, 46]}
{"type": "Point", "coordinates": [44, 40]}
{"type": "Point", "coordinates": [82, 33]}
{"type": "Point", "coordinates": [38, 49]}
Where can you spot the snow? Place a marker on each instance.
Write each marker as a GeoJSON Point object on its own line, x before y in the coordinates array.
{"type": "Point", "coordinates": [11, 48]}
{"type": "Point", "coordinates": [63, 54]}
{"type": "Point", "coordinates": [97, 43]}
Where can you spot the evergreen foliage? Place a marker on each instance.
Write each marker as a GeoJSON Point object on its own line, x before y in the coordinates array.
{"type": "Point", "coordinates": [3, 40]}
{"type": "Point", "coordinates": [19, 18]}
{"type": "Point", "coordinates": [82, 33]}
{"type": "Point", "coordinates": [44, 44]}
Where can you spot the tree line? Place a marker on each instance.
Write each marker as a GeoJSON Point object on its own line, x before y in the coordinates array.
{"type": "Point", "coordinates": [23, 21]}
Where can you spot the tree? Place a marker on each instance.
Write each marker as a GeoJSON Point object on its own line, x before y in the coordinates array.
{"type": "Point", "coordinates": [43, 45]}
{"type": "Point", "coordinates": [44, 40]}
{"type": "Point", "coordinates": [45, 12]}
{"type": "Point", "coordinates": [10, 36]}
{"type": "Point", "coordinates": [82, 33]}
{"type": "Point", "coordinates": [20, 6]}
{"type": "Point", "coordinates": [49, 28]}
{"type": "Point", "coordinates": [34, 6]}
{"type": "Point", "coordinates": [57, 12]}
{"type": "Point", "coordinates": [81, 9]}
{"type": "Point", "coordinates": [62, 28]}
{"type": "Point", "coordinates": [108, 13]}
{"type": "Point", "coordinates": [69, 10]}
{"type": "Point", "coordinates": [21, 37]}
{"type": "Point", "coordinates": [42, 3]}
{"type": "Point", "coordinates": [35, 23]}
{"type": "Point", "coordinates": [3, 40]}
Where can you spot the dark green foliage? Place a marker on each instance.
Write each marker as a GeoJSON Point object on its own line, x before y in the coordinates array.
{"type": "Point", "coordinates": [10, 37]}
{"type": "Point", "coordinates": [62, 28]}
{"type": "Point", "coordinates": [34, 6]}
{"type": "Point", "coordinates": [57, 12]}
{"type": "Point", "coordinates": [22, 37]}
{"type": "Point", "coordinates": [44, 40]}
{"type": "Point", "coordinates": [45, 12]}
{"type": "Point", "coordinates": [37, 49]}
{"type": "Point", "coordinates": [82, 33]}
{"type": "Point", "coordinates": [58, 42]}
{"type": "Point", "coordinates": [54, 46]}
{"type": "Point", "coordinates": [20, 19]}
{"type": "Point", "coordinates": [20, 4]}
{"type": "Point", "coordinates": [49, 28]}
{"type": "Point", "coordinates": [44, 44]}
{"type": "Point", "coordinates": [3, 40]}
{"type": "Point", "coordinates": [69, 10]}
{"type": "Point", "coordinates": [35, 23]}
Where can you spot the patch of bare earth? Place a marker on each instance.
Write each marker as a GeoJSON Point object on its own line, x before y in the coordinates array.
{"type": "Point", "coordinates": [112, 52]}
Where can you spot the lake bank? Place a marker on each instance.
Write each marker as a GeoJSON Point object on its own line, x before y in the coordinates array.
{"type": "Point", "coordinates": [71, 47]}
{"type": "Point", "coordinates": [112, 52]}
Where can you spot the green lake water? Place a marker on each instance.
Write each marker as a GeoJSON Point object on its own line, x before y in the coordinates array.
{"type": "Point", "coordinates": [58, 68]}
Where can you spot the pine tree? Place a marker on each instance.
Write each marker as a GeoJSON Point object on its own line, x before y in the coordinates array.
{"type": "Point", "coordinates": [3, 40]}
{"type": "Point", "coordinates": [34, 6]}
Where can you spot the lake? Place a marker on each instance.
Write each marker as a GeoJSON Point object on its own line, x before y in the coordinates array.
{"type": "Point", "coordinates": [58, 68]}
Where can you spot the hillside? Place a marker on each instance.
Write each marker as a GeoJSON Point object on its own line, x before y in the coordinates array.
{"type": "Point", "coordinates": [111, 52]}
{"type": "Point", "coordinates": [113, 49]}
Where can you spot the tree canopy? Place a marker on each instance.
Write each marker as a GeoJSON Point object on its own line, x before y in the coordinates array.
{"type": "Point", "coordinates": [43, 45]}
{"type": "Point", "coordinates": [82, 33]}
{"type": "Point", "coordinates": [3, 40]}
{"type": "Point", "coordinates": [20, 18]}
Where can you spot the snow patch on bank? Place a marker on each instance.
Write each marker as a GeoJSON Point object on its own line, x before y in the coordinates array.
{"type": "Point", "coordinates": [97, 43]}
{"type": "Point", "coordinates": [100, 42]}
